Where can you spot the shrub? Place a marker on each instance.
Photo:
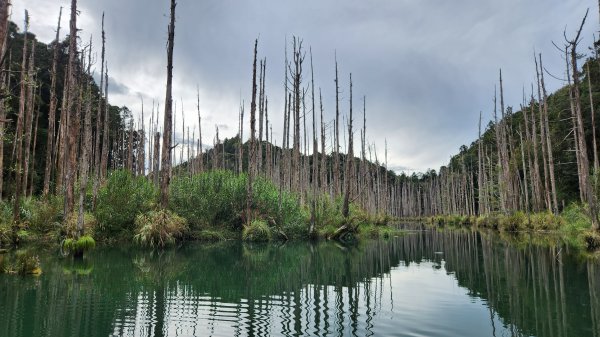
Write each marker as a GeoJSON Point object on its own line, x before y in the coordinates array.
{"type": "Point", "coordinates": [121, 199]}
{"type": "Point", "coordinates": [257, 230]}
{"type": "Point", "coordinates": [48, 214]}
{"type": "Point", "coordinates": [159, 228]}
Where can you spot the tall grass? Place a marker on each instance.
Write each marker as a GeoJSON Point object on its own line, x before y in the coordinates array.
{"type": "Point", "coordinates": [120, 200]}
{"type": "Point", "coordinates": [217, 200]}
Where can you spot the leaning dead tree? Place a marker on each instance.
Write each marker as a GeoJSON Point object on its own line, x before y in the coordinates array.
{"type": "Point", "coordinates": [168, 117]}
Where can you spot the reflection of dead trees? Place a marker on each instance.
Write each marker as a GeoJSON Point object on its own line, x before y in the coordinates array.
{"type": "Point", "coordinates": [593, 274]}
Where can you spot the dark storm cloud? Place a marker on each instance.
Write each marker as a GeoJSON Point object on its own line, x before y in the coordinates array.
{"type": "Point", "coordinates": [426, 67]}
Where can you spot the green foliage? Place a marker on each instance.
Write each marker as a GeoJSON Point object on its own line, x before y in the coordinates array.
{"type": "Point", "coordinates": [209, 235]}
{"type": "Point", "coordinates": [257, 230]}
{"type": "Point", "coordinates": [515, 222]}
{"type": "Point", "coordinates": [159, 228]}
{"type": "Point", "coordinates": [78, 246]}
{"type": "Point", "coordinates": [120, 200]}
{"type": "Point", "coordinates": [546, 221]}
{"type": "Point", "coordinates": [576, 219]}
{"type": "Point", "coordinates": [378, 231]}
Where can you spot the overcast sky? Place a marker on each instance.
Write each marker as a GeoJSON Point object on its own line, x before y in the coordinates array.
{"type": "Point", "coordinates": [426, 67]}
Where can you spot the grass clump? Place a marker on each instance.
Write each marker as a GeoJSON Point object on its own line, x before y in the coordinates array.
{"type": "Point", "coordinates": [257, 230]}
{"type": "Point", "coordinates": [77, 247]}
{"type": "Point", "coordinates": [120, 200]}
{"type": "Point", "coordinates": [159, 228]}
{"type": "Point", "coordinates": [514, 222]}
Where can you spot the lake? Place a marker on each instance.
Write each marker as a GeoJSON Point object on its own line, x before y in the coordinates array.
{"type": "Point", "coordinates": [426, 283]}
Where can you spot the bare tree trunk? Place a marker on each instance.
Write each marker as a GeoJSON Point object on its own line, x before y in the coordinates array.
{"type": "Point", "coordinates": [336, 150]}
{"type": "Point", "coordinates": [105, 132]}
{"type": "Point", "coordinates": [585, 179]}
{"type": "Point", "coordinates": [549, 140]}
{"type": "Point", "coordinates": [592, 112]}
{"type": "Point", "coordinates": [252, 145]}
{"type": "Point", "coordinates": [4, 15]}
{"type": "Point", "coordinates": [241, 143]}
{"type": "Point", "coordinates": [130, 147]}
{"type": "Point", "coordinates": [19, 132]}
{"type": "Point", "coordinates": [347, 179]}
{"type": "Point", "coordinates": [97, 154]}
{"type": "Point", "coordinates": [29, 117]}
{"type": "Point", "coordinates": [61, 141]}
{"type": "Point", "coordinates": [32, 171]}
{"type": "Point", "coordinates": [296, 76]}
{"type": "Point", "coordinates": [85, 151]}
{"type": "Point", "coordinates": [323, 152]}
{"type": "Point", "coordinates": [156, 159]}
{"type": "Point", "coordinates": [200, 155]}
{"type": "Point", "coordinates": [168, 118]}
{"type": "Point", "coordinates": [52, 112]}
{"type": "Point", "coordinates": [315, 171]}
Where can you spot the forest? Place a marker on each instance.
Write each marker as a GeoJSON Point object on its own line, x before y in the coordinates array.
{"type": "Point", "coordinates": [77, 170]}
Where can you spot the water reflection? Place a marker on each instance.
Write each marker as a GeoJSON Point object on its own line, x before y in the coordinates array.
{"type": "Point", "coordinates": [427, 283]}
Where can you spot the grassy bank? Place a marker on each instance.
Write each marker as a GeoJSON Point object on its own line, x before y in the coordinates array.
{"type": "Point", "coordinates": [209, 207]}
{"type": "Point", "coordinates": [573, 225]}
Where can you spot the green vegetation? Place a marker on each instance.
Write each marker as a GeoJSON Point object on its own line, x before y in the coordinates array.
{"type": "Point", "coordinates": [120, 201]}
{"type": "Point", "coordinates": [573, 225]}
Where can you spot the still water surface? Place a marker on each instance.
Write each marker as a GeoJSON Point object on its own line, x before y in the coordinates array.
{"type": "Point", "coordinates": [422, 284]}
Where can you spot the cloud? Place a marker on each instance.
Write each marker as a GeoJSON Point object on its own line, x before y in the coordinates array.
{"type": "Point", "coordinates": [427, 68]}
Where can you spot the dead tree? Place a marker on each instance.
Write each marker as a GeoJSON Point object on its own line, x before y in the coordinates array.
{"type": "Point", "coordinates": [347, 227]}
{"type": "Point", "coordinates": [97, 154]}
{"type": "Point", "coordinates": [315, 167]}
{"type": "Point", "coordinates": [252, 145]}
{"type": "Point", "coordinates": [73, 115]}
{"type": "Point", "coordinates": [586, 185]}
{"type": "Point", "coordinates": [168, 118]}
{"type": "Point", "coordinates": [52, 112]}
{"type": "Point", "coordinates": [86, 148]}
{"type": "Point", "coordinates": [29, 111]}
{"type": "Point", "coordinates": [18, 147]}
{"type": "Point", "coordinates": [549, 140]}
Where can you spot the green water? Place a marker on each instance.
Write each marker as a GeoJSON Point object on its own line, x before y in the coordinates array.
{"type": "Point", "coordinates": [422, 284]}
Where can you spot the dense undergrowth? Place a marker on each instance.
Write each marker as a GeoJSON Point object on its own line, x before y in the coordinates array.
{"type": "Point", "coordinates": [210, 206]}
{"type": "Point", "coordinates": [573, 224]}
